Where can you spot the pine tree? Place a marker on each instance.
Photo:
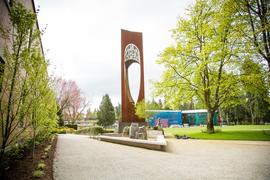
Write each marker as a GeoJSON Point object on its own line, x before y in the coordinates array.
{"type": "Point", "coordinates": [106, 115]}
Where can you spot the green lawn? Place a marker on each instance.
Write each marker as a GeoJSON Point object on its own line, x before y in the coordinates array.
{"type": "Point", "coordinates": [239, 132]}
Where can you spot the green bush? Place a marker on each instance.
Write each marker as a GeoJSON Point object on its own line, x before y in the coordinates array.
{"type": "Point", "coordinates": [55, 131]}
{"type": "Point", "coordinates": [41, 165]}
{"type": "Point", "coordinates": [47, 148]}
{"type": "Point", "coordinates": [28, 144]}
{"type": "Point", "coordinates": [107, 130]}
{"type": "Point", "coordinates": [15, 152]}
{"type": "Point", "coordinates": [95, 130]}
{"type": "Point", "coordinates": [91, 130]}
{"type": "Point", "coordinates": [38, 174]}
{"type": "Point", "coordinates": [52, 139]}
{"type": "Point", "coordinates": [73, 126]}
{"type": "Point", "coordinates": [82, 131]}
{"type": "Point", "coordinates": [63, 130]}
{"type": "Point", "coordinates": [45, 155]}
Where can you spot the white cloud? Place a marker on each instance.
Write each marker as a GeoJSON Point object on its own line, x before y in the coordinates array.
{"type": "Point", "coordinates": [83, 38]}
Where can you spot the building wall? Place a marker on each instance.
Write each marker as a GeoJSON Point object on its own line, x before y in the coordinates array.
{"type": "Point", "coordinates": [4, 23]}
{"type": "Point", "coordinates": [6, 42]}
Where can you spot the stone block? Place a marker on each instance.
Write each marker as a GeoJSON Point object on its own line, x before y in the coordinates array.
{"type": "Point", "coordinates": [134, 127]}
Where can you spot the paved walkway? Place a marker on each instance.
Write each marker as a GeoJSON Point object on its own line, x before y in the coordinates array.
{"type": "Point", "coordinates": [81, 158]}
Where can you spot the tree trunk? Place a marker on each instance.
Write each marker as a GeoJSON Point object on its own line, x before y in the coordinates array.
{"type": "Point", "coordinates": [210, 124]}
{"type": "Point", "coordinates": [34, 143]}
{"type": "Point", "coordinates": [2, 154]}
{"type": "Point", "coordinates": [60, 117]}
{"type": "Point", "coordinates": [252, 116]}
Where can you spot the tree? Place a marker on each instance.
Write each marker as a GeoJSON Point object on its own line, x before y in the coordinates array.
{"type": "Point", "coordinates": [202, 64]}
{"type": "Point", "coordinates": [146, 109]}
{"type": "Point", "coordinates": [70, 102]}
{"type": "Point", "coordinates": [153, 105]}
{"type": "Point", "coordinates": [117, 110]}
{"type": "Point", "coordinates": [106, 114]}
{"type": "Point", "coordinates": [77, 102]}
{"type": "Point", "coordinates": [143, 109]}
{"type": "Point", "coordinates": [253, 81]}
{"type": "Point", "coordinates": [140, 110]}
{"type": "Point", "coordinates": [24, 81]}
{"type": "Point", "coordinates": [160, 104]}
{"type": "Point", "coordinates": [90, 114]}
{"type": "Point", "coordinates": [44, 110]}
{"type": "Point", "coordinates": [254, 20]}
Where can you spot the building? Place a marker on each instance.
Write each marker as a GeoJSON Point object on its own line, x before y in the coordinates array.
{"type": "Point", "coordinates": [170, 118]}
{"type": "Point", "coordinates": [5, 6]}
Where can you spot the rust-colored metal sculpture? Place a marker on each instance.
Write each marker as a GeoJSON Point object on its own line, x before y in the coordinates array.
{"type": "Point", "coordinates": [131, 52]}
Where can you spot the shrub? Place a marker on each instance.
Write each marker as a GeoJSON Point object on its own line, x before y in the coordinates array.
{"type": "Point", "coordinates": [47, 148]}
{"type": "Point", "coordinates": [91, 130]}
{"type": "Point", "coordinates": [41, 165]}
{"type": "Point", "coordinates": [16, 151]}
{"type": "Point", "coordinates": [125, 131]}
{"type": "Point", "coordinates": [52, 139]}
{"type": "Point", "coordinates": [82, 131]}
{"type": "Point", "coordinates": [55, 130]}
{"type": "Point", "coordinates": [38, 174]}
{"type": "Point", "coordinates": [28, 144]}
{"type": "Point", "coordinates": [72, 126]}
{"type": "Point", "coordinates": [63, 130]}
{"type": "Point", "coordinates": [107, 130]}
{"type": "Point", "coordinates": [95, 130]}
{"type": "Point", "coordinates": [45, 155]}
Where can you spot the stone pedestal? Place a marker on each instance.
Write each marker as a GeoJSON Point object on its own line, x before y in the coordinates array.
{"type": "Point", "coordinates": [121, 125]}
{"type": "Point", "coordinates": [141, 133]}
{"type": "Point", "coordinates": [134, 127]}
{"type": "Point", "coordinates": [153, 134]}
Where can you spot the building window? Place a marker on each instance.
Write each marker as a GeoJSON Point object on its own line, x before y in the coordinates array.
{"type": "Point", "coordinates": [2, 66]}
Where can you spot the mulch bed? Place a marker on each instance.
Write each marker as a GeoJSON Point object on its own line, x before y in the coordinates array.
{"type": "Point", "coordinates": [23, 169]}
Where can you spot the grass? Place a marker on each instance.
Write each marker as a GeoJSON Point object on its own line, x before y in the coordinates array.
{"type": "Point", "coordinates": [239, 132]}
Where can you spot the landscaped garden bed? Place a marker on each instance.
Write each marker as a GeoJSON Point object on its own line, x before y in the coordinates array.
{"type": "Point", "coordinates": [41, 167]}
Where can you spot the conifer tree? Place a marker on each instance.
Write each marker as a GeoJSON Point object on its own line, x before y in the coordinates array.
{"type": "Point", "coordinates": [106, 114]}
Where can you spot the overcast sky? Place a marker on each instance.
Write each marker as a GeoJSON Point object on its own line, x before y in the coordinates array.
{"type": "Point", "coordinates": [83, 41]}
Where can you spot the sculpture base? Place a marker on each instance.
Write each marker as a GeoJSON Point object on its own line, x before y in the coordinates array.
{"type": "Point", "coordinates": [121, 125]}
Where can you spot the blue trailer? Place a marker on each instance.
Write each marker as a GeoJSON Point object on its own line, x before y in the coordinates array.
{"type": "Point", "coordinates": [177, 117]}
{"type": "Point", "coordinates": [197, 117]}
{"type": "Point", "coordinates": [165, 117]}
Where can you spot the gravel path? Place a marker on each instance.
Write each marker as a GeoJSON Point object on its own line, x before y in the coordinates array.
{"type": "Point", "coordinates": [81, 158]}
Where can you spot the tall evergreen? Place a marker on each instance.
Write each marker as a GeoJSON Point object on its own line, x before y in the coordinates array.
{"type": "Point", "coordinates": [106, 115]}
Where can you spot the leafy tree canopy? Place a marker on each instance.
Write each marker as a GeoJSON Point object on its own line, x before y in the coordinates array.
{"type": "Point", "coordinates": [202, 64]}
